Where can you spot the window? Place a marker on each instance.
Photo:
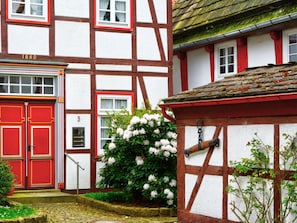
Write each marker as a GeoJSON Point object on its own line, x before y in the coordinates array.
{"type": "Point", "coordinates": [28, 10]}
{"type": "Point", "coordinates": [108, 103]}
{"type": "Point", "coordinates": [225, 59]}
{"type": "Point", "coordinates": [78, 137]}
{"type": "Point", "coordinates": [293, 48]}
{"type": "Point", "coordinates": [113, 13]}
{"type": "Point", "coordinates": [26, 85]}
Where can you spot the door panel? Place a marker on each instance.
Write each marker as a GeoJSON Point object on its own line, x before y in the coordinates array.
{"type": "Point", "coordinates": [27, 142]}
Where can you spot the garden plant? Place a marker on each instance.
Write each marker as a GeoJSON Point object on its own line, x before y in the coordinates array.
{"type": "Point", "coordinates": [141, 157]}
{"type": "Point", "coordinates": [253, 183]}
{"type": "Point", "coordinates": [6, 181]}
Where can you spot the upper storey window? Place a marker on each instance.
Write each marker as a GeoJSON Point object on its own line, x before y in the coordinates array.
{"type": "Point", "coordinates": [293, 48]}
{"type": "Point", "coordinates": [34, 11]}
{"type": "Point", "coordinates": [113, 13]}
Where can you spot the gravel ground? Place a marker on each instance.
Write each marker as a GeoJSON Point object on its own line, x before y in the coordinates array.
{"type": "Point", "coordinates": [78, 213]}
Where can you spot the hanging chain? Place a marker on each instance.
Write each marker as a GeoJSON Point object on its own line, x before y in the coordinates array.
{"type": "Point", "coordinates": [200, 130]}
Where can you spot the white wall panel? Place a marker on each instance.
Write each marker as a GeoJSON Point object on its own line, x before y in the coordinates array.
{"type": "Point", "coordinates": [113, 67]}
{"type": "Point", "coordinates": [108, 82]}
{"type": "Point", "coordinates": [84, 175]}
{"type": "Point", "coordinates": [198, 68]}
{"type": "Point", "coordinates": [78, 120]}
{"type": "Point", "coordinates": [80, 66]}
{"type": "Point", "coordinates": [72, 39]}
{"type": "Point", "coordinates": [28, 40]}
{"type": "Point", "coordinates": [152, 69]}
{"type": "Point", "coordinates": [176, 76]}
{"type": "Point", "coordinates": [113, 45]}
{"type": "Point", "coordinates": [161, 11]}
{"type": "Point", "coordinates": [77, 8]}
{"type": "Point", "coordinates": [157, 89]}
{"type": "Point", "coordinates": [0, 33]}
{"type": "Point", "coordinates": [78, 91]}
{"type": "Point", "coordinates": [143, 13]}
{"type": "Point", "coordinates": [163, 33]}
{"type": "Point", "coordinates": [260, 50]}
{"type": "Point", "coordinates": [147, 47]}
{"type": "Point", "coordinates": [190, 181]}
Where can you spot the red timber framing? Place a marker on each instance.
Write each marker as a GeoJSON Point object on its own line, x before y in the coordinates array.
{"type": "Point", "coordinates": [222, 116]}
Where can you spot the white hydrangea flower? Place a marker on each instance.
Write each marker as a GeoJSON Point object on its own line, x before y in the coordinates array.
{"type": "Point", "coordinates": [146, 186]}
{"type": "Point", "coordinates": [166, 179]}
{"type": "Point", "coordinates": [147, 116]}
{"type": "Point", "coordinates": [170, 202]}
{"type": "Point", "coordinates": [151, 124]}
{"type": "Point", "coordinates": [166, 153]}
{"type": "Point", "coordinates": [134, 120]}
{"type": "Point", "coordinates": [157, 144]}
{"type": "Point", "coordinates": [152, 150]}
{"type": "Point", "coordinates": [173, 143]}
{"type": "Point", "coordinates": [127, 135]}
{"type": "Point", "coordinates": [138, 160]}
{"type": "Point", "coordinates": [164, 142]}
{"type": "Point", "coordinates": [157, 131]}
{"type": "Point", "coordinates": [146, 142]}
{"type": "Point", "coordinates": [151, 178]}
{"type": "Point", "coordinates": [111, 146]}
{"type": "Point", "coordinates": [167, 191]}
{"type": "Point", "coordinates": [120, 131]}
{"type": "Point", "coordinates": [173, 150]}
{"type": "Point", "coordinates": [154, 193]}
{"type": "Point", "coordinates": [157, 152]}
{"type": "Point", "coordinates": [170, 195]}
{"type": "Point", "coordinates": [130, 182]}
{"type": "Point", "coordinates": [172, 183]}
{"type": "Point", "coordinates": [135, 133]}
{"type": "Point", "coordinates": [110, 160]}
{"type": "Point", "coordinates": [143, 121]}
{"type": "Point", "coordinates": [142, 131]}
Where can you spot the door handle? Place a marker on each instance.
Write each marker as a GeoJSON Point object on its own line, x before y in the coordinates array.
{"type": "Point", "coordinates": [29, 147]}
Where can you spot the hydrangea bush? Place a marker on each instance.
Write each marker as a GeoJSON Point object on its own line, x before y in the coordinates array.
{"type": "Point", "coordinates": [141, 158]}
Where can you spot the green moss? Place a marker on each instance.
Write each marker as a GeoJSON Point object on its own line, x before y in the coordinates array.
{"type": "Point", "coordinates": [15, 211]}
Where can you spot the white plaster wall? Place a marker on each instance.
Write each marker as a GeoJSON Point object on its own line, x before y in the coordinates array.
{"type": "Point", "coordinates": [197, 159]}
{"type": "Point", "coordinates": [28, 40]}
{"type": "Point", "coordinates": [77, 8]}
{"type": "Point", "coordinates": [143, 13]}
{"type": "Point", "coordinates": [78, 91]}
{"type": "Point", "coordinates": [190, 181]}
{"type": "Point", "coordinates": [108, 82]}
{"type": "Point", "coordinates": [84, 175]}
{"type": "Point", "coordinates": [72, 39]}
{"type": "Point", "coordinates": [147, 46]}
{"type": "Point", "coordinates": [157, 89]}
{"type": "Point", "coordinates": [176, 76]}
{"type": "Point", "coordinates": [163, 33]}
{"type": "Point", "coordinates": [161, 11]}
{"type": "Point", "coordinates": [113, 45]}
{"type": "Point", "coordinates": [198, 68]}
{"type": "Point", "coordinates": [78, 120]}
{"type": "Point", "coordinates": [206, 203]}
{"type": "Point", "coordinates": [113, 67]}
{"type": "Point", "coordinates": [155, 69]}
{"type": "Point", "coordinates": [0, 33]}
{"type": "Point", "coordinates": [286, 34]}
{"type": "Point", "coordinates": [99, 166]}
{"type": "Point", "coordinates": [260, 50]}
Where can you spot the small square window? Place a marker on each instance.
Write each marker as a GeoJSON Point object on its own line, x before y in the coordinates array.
{"type": "Point", "coordinates": [113, 13]}
{"type": "Point", "coordinates": [33, 11]}
{"type": "Point", "coordinates": [78, 137]}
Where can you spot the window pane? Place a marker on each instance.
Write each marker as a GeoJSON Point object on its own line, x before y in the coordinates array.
{"type": "Point", "coordinates": [103, 143]}
{"type": "Point", "coordinates": [14, 89]}
{"type": "Point", "coordinates": [293, 39]}
{"type": "Point", "coordinates": [78, 137]}
{"type": "Point", "coordinates": [230, 59]}
{"type": "Point", "coordinates": [222, 52]}
{"type": "Point", "coordinates": [3, 89]}
{"type": "Point", "coordinates": [48, 81]}
{"type": "Point", "coordinates": [26, 80]}
{"type": "Point", "coordinates": [222, 70]}
{"type": "Point", "coordinates": [106, 103]}
{"type": "Point", "coordinates": [14, 79]}
{"type": "Point", "coordinates": [120, 17]}
{"type": "Point", "coordinates": [230, 68]}
{"type": "Point", "coordinates": [37, 1]}
{"type": "Point", "coordinates": [36, 10]}
{"type": "Point", "coordinates": [18, 7]}
{"type": "Point", "coordinates": [3, 79]}
{"type": "Point", "coordinates": [230, 50]}
{"type": "Point", "coordinates": [26, 89]}
{"type": "Point", "coordinates": [104, 121]}
{"type": "Point", "coordinates": [37, 90]}
{"type": "Point", "coordinates": [105, 133]}
{"type": "Point", "coordinates": [119, 104]}
{"type": "Point", "coordinates": [293, 49]}
{"type": "Point", "coordinates": [120, 6]}
{"type": "Point", "coordinates": [222, 60]}
{"type": "Point", "coordinates": [293, 58]}
{"type": "Point", "coordinates": [37, 80]}
{"type": "Point", "coordinates": [48, 90]}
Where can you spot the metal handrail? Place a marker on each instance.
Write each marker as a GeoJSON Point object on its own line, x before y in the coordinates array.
{"type": "Point", "coordinates": [77, 171]}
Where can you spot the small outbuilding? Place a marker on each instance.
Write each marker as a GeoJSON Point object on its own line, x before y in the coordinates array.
{"type": "Point", "coordinates": [225, 115]}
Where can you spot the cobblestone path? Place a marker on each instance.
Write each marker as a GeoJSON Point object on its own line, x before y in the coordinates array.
{"type": "Point", "coordinates": [78, 213]}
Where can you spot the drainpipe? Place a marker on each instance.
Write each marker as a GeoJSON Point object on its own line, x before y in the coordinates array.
{"type": "Point", "coordinates": [164, 113]}
{"type": "Point", "coordinates": [233, 34]}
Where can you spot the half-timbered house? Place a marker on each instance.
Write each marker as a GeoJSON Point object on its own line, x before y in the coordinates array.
{"type": "Point", "coordinates": [63, 65]}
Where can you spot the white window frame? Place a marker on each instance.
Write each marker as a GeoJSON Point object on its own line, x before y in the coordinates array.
{"type": "Point", "coordinates": [113, 23]}
{"type": "Point", "coordinates": [103, 113]}
{"type": "Point", "coordinates": [286, 44]}
{"type": "Point", "coordinates": [218, 47]}
{"type": "Point", "coordinates": [27, 15]}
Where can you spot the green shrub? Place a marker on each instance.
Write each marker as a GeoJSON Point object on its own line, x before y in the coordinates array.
{"type": "Point", "coordinates": [113, 196]}
{"type": "Point", "coordinates": [15, 211]}
{"type": "Point", "coordinates": [141, 159]}
{"type": "Point", "coordinates": [6, 181]}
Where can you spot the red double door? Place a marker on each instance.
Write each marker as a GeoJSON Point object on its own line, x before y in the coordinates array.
{"type": "Point", "coordinates": [27, 142]}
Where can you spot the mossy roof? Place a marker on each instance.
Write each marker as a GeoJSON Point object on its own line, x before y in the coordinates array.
{"type": "Point", "coordinates": [259, 81]}
{"type": "Point", "coordinates": [199, 19]}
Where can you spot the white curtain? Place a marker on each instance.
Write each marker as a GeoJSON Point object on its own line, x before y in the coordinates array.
{"type": "Point", "coordinates": [36, 7]}
{"type": "Point", "coordinates": [104, 10]}
{"type": "Point", "coordinates": [106, 104]}
{"type": "Point", "coordinates": [120, 8]}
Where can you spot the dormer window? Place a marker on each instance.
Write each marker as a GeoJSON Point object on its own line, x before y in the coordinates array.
{"type": "Point", "coordinates": [113, 13]}
{"type": "Point", "coordinates": [33, 11]}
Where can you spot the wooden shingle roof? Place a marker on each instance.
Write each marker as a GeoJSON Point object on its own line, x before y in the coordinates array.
{"type": "Point", "coordinates": [200, 19]}
{"type": "Point", "coordinates": [266, 80]}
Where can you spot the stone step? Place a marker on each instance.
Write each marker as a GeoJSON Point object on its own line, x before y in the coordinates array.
{"type": "Point", "coordinates": [41, 196]}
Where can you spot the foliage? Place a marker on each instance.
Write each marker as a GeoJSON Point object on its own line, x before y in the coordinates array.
{"type": "Point", "coordinates": [113, 196]}
{"type": "Point", "coordinates": [6, 181]}
{"type": "Point", "coordinates": [141, 159]}
{"type": "Point", "coordinates": [15, 211]}
{"type": "Point", "coordinates": [252, 184]}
